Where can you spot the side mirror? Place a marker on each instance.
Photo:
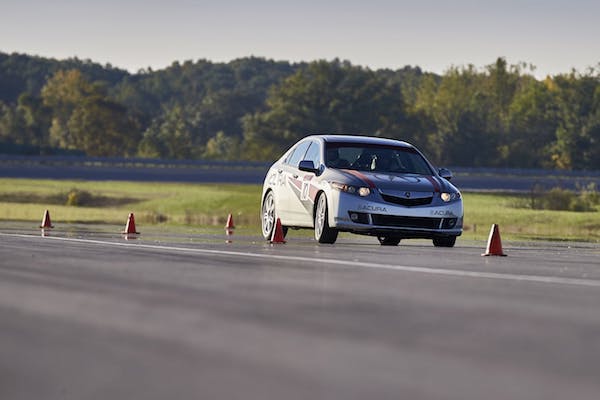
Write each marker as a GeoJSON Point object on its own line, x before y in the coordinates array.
{"type": "Point", "coordinates": [307, 166]}
{"type": "Point", "coordinates": [445, 173]}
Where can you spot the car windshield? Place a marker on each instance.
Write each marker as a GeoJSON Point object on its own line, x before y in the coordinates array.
{"type": "Point", "coordinates": [376, 158]}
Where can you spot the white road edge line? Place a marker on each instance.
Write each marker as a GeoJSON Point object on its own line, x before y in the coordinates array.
{"type": "Point", "coordinates": [345, 263]}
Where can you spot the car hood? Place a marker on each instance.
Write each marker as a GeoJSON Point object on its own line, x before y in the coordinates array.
{"type": "Point", "coordinates": [398, 182]}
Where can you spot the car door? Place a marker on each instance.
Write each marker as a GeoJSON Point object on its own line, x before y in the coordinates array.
{"type": "Point", "coordinates": [303, 205]}
{"type": "Point", "coordinates": [289, 192]}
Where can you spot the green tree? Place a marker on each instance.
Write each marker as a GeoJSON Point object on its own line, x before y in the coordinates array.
{"type": "Point", "coordinates": [10, 124]}
{"type": "Point", "coordinates": [324, 97]}
{"type": "Point", "coordinates": [578, 103]}
{"type": "Point", "coordinates": [172, 137]}
{"type": "Point", "coordinates": [461, 111]}
{"type": "Point", "coordinates": [532, 124]}
{"type": "Point", "coordinates": [222, 147]}
{"type": "Point", "coordinates": [63, 93]}
{"type": "Point", "coordinates": [101, 127]}
{"type": "Point", "coordinates": [490, 117]}
{"type": "Point", "coordinates": [36, 120]}
{"type": "Point", "coordinates": [84, 118]}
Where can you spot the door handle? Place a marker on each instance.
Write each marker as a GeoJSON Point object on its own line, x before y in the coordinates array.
{"type": "Point", "coordinates": [295, 176]}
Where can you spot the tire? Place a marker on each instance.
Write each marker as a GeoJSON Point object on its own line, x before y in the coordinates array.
{"type": "Point", "coordinates": [269, 217]}
{"type": "Point", "coordinates": [444, 241]}
{"type": "Point", "coordinates": [388, 240]}
{"type": "Point", "coordinates": [267, 213]}
{"type": "Point", "coordinates": [323, 233]}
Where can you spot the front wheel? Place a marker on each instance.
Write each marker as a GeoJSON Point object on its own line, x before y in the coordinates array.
{"type": "Point", "coordinates": [444, 241]}
{"type": "Point", "coordinates": [323, 233]}
{"type": "Point", "coordinates": [388, 240]}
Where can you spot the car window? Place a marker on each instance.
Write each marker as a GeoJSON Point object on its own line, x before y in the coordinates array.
{"type": "Point", "coordinates": [375, 158]}
{"type": "Point", "coordinates": [314, 154]}
{"type": "Point", "coordinates": [297, 155]}
{"type": "Point", "coordinates": [341, 157]}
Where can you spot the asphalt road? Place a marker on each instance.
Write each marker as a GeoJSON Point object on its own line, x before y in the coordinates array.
{"type": "Point", "coordinates": [93, 316]}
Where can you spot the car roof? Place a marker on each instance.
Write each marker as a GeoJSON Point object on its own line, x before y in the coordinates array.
{"type": "Point", "coordinates": [360, 139]}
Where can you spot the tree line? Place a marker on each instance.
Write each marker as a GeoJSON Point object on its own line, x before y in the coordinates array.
{"type": "Point", "coordinates": [253, 109]}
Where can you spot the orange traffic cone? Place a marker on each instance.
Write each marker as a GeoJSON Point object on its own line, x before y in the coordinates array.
{"type": "Point", "coordinates": [46, 223]}
{"type": "Point", "coordinates": [130, 226]}
{"type": "Point", "coordinates": [277, 236]}
{"type": "Point", "coordinates": [229, 224]}
{"type": "Point", "coordinates": [494, 245]}
{"type": "Point", "coordinates": [229, 227]}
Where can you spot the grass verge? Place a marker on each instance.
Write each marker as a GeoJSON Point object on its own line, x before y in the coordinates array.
{"type": "Point", "coordinates": [484, 209]}
{"type": "Point", "coordinates": [207, 205]}
{"type": "Point", "coordinates": [110, 202]}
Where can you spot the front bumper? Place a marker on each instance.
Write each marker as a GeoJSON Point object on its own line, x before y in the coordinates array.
{"type": "Point", "coordinates": [373, 216]}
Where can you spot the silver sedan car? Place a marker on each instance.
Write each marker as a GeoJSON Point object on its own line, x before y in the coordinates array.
{"type": "Point", "coordinates": [364, 185]}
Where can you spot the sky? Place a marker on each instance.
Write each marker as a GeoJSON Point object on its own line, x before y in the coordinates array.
{"type": "Point", "coordinates": [553, 35]}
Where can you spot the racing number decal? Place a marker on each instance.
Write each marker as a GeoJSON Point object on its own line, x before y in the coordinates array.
{"type": "Point", "coordinates": [305, 191]}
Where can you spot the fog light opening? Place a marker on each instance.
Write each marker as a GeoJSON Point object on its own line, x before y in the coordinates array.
{"type": "Point", "coordinates": [449, 223]}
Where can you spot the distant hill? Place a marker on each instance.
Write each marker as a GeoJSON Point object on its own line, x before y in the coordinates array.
{"type": "Point", "coordinates": [21, 73]}
{"type": "Point", "coordinates": [253, 108]}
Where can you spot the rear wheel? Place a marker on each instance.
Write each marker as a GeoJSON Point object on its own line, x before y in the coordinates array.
{"type": "Point", "coordinates": [323, 233]}
{"type": "Point", "coordinates": [388, 240]}
{"type": "Point", "coordinates": [444, 241]}
{"type": "Point", "coordinates": [268, 216]}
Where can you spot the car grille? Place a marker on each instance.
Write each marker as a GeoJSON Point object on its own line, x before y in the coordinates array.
{"type": "Point", "coordinates": [407, 202]}
{"type": "Point", "coordinates": [406, 222]}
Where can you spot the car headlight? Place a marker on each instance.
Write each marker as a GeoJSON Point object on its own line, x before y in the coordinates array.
{"type": "Point", "coordinates": [364, 191]}
{"type": "Point", "coordinates": [448, 197]}
{"type": "Point", "coordinates": [361, 191]}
